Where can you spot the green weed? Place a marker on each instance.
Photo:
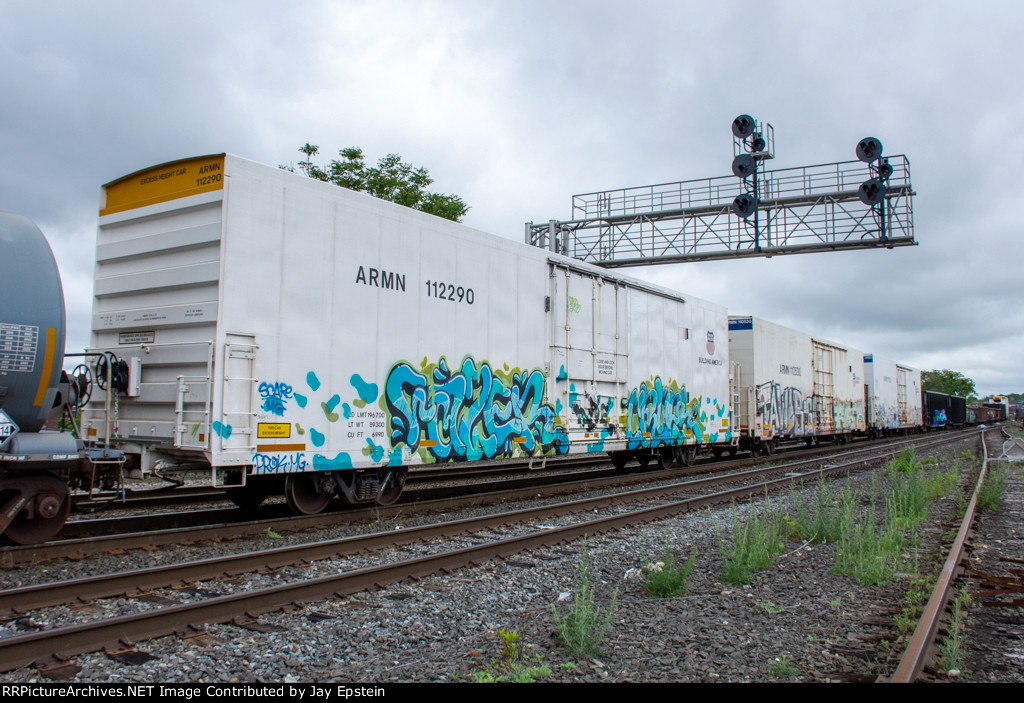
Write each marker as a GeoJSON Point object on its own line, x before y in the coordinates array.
{"type": "Point", "coordinates": [768, 608]}
{"type": "Point", "coordinates": [782, 668]}
{"type": "Point", "coordinates": [582, 631]}
{"type": "Point", "coordinates": [860, 552]}
{"type": "Point", "coordinates": [906, 461]}
{"type": "Point", "coordinates": [754, 544]}
{"type": "Point", "coordinates": [990, 496]}
{"type": "Point", "coordinates": [512, 667]}
{"type": "Point", "coordinates": [664, 579]}
{"type": "Point", "coordinates": [952, 646]}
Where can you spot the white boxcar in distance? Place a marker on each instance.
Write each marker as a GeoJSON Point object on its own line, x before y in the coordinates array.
{"type": "Point", "coordinates": [893, 395]}
{"type": "Point", "coordinates": [793, 386]}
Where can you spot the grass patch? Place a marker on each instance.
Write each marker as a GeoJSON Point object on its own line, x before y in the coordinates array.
{"type": "Point", "coordinates": [755, 542]}
{"type": "Point", "coordinates": [768, 608]}
{"type": "Point", "coordinates": [861, 553]}
{"type": "Point", "coordinates": [782, 668]}
{"type": "Point", "coordinates": [820, 522]}
{"type": "Point", "coordinates": [990, 496]}
{"type": "Point", "coordinates": [873, 553]}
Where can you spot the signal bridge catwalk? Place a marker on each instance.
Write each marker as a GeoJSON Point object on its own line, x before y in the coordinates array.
{"type": "Point", "coordinates": [805, 209]}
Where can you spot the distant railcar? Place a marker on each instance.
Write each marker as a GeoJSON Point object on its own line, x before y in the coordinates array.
{"type": "Point", "coordinates": [935, 410]}
{"type": "Point", "coordinates": [893, 394]}
{"type": "Point", "coordinates": [981, 415]}
{"type": "Point", "coordinates": [998, 413]}
{"type": "Point", "coordinates": [793, 386]}
{"type": "Point", "coordinates": [957, 411]}
{"type": "Point", "coordinates": [940, 410]}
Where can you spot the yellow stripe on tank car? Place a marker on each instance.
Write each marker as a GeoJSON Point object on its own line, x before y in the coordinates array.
{"type": "Point", "coordinates": [158, 184]}
{"type": "Point", "coordinates": [44, 377]}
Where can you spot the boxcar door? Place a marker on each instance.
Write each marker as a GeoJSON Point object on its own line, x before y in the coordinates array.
{"type": "Point", "coordinates": [588, 351]}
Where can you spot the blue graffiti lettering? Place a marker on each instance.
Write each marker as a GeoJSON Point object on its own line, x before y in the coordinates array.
{"type": "Point", "coordinates": [275, 397]}
{"type": "Point", "coordinates": [658, 414]}
{"type": "Point", "coordinates": [278, 463]}
{"type": "Point", "coordinates": [471, 413]}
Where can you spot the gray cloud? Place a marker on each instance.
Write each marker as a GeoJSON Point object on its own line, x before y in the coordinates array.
{"type": "Point", "coordinates": [517, 106]}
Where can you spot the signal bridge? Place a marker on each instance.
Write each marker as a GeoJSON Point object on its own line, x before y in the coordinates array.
{"type": "Point", "coordinates": [796, 210]}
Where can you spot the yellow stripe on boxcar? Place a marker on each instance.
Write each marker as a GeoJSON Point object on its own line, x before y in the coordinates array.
{"type": "Point", "coordinates": [158, 184]}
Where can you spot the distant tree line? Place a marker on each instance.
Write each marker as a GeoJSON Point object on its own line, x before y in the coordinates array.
{"type": "Point", "coordinates": [949, 382]}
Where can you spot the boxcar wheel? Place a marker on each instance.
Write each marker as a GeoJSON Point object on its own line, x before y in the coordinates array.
{"type": "Point", "coordinates": [665, 459]}
{"type": "Point", "coordinates": [686, 455]}
{"type": "Point", "coordinates": [392, 481]}
{"type": "Point", "coordinates": [620, 459]}
{"type": "Point", "coordinates": [300, 490]}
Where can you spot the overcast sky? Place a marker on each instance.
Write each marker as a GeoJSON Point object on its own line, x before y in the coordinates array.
{"type": "Point", "coordinates": [518, 105]}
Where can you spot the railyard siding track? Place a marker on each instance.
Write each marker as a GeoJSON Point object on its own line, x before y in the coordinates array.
{"type": "Point", "coordinates": [919, 657]}
{"type": "Point", "coordinates": [23, 650]}
{"type": "Point", "coordinates": [920, 648]}
{"type": "Point", "coordinates": [995, 578]}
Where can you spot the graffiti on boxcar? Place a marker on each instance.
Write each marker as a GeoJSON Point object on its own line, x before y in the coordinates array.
{"type": "Point", "coordinates": [787, 410]}
{"type": "Point", "coordinates": [278, 463]}
{"type": "Point", "coordinates": [886, 416]}
{"type": "Point", "coordinates": [659, 413]}
{"type": "Point", "coordinates": [471, 412]}
{"type": "Point", "coordinates": [590, 409]}
{"type": "Point", "coordinates": [847, 415]}
{"type": "Point", "coordinates": [275, 397]}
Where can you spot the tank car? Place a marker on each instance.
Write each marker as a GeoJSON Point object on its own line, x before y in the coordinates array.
{"type": "Point", "coordinates": [37, 460]}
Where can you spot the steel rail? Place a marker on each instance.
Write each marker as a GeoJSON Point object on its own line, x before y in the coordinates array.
{"type": "Point", "coordinates": [23, 650]}
{"type": "Point", "coordinates": [916, 654]}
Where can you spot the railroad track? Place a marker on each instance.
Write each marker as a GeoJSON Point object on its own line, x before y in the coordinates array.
{"type": "Point", "coordinates": [25, 649]}
{"type": "Point", "coordinates": [918, 659]}
{"type": "Point", "coordinates": [82, 538]}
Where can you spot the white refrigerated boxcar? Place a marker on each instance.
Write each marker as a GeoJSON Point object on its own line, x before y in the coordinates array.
{"type": "Point", "coordinates": [793, 386]}
{"type": "Point", "coordinates": [289, 334]}
{"type": "Point", "coordinates": [893, 394]}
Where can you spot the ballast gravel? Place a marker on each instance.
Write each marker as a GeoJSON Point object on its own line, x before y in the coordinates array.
{"type": "Point", "coordinates": [796, 621]}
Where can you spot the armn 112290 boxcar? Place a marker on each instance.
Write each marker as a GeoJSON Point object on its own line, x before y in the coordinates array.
{"type": "Point", "coordinates": [290, 335]}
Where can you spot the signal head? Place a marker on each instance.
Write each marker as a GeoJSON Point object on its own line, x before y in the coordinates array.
{"type": "Point", "coordinates": [884, 169]}
{"type": "Point", "coordinates": [869, 149]}
{"type": "Point", "coordinates": [744, 205]}
{"type": "Point", "coordinates": [871, 192]}
{"type": "Point", "coordinates": [743, 126]}
{"type": "Point", "coordinates": [744, 166]}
